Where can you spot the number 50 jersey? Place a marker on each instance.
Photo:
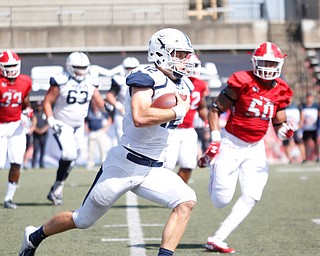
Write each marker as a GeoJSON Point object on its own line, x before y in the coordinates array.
{"type": "Point", "coordinates": [72, 104]}
{"type": "Point", "coordinates": [255, 106]}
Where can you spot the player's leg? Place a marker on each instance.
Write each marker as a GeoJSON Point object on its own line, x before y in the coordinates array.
{"type": "Point", "coordinates": [92, 142]}
{"type": "Point", "coordinates": [253, 177]}
{"type": "Point", "coordinates": [111, 182]}
{"type": "Point", "coordinates": [188, 153]}
{"type": "Point", "coordinates": [16, 150]}
{"type": "Point", "coordinates": [67, 141]}
{"type": "Point", "coordinates": [173, 149]}
{"type": "Point", "coordinates": [164, 187]}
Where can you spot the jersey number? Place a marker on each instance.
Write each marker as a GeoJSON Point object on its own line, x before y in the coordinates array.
{"type": "Point", "coordinates": [13, 98]}
{"type": "Point", "coordinates": [74, 97]}
{"type": "Point", "coordinates": [257, 105]}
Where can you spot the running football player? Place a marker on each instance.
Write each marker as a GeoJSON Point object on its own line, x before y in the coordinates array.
{"type": "Point", "coordinates": [70, 93]}
{"type": "Point", "coordinates": [14, 98]}
{"type": "Point", "coordinates": [136, 164]}
{"type": "Point", "coordinates": [257, 100]}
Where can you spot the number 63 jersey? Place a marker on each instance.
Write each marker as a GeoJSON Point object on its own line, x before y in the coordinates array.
{"type": "Point", "coordinates": [255, 106]}
{"type": "Point", "coordinates": [72, 104]}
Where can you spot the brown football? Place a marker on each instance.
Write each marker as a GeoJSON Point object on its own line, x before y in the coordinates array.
{"type": "Point", "coordinates": [167, 100]}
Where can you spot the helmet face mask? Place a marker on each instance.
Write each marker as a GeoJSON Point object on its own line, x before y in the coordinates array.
{"type": "Point", "coordinates": [267, 61]}
{"type": "Point", "coordinates": [78, 65]}
{"type": "Point", "coordinates": [10, 64]}
{"type": "Point", "coordinates": [196, 69]}
{"type": "Point", "coordinates": [169, 49]}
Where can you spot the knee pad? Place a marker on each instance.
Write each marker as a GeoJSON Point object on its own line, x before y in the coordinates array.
{"type": "Point", "coordinates": [248, 200]}
{"type": "Point", "coordinates": [81, 222]}
{"type": "Point", "coordinates": [220, 202]}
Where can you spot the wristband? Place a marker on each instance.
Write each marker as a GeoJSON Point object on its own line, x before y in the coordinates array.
{"type": "Point", "coordinates": [215, 135]}
{"type": "Point", "coordinates": [118, 105]}
{"type": "Point", "coordinates": [51, 121]}
{"type": "Point", "coordinates": [180, 111]}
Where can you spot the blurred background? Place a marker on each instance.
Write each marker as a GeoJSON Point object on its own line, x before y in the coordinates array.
{"type": "Point", "coordinates": [43, 33]}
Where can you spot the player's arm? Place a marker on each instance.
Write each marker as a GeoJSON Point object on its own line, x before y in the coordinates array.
{"type": "Point", "coordinates": [97, 98]}
{"type": "Point", "coordinates": [111, 97]}
{"type": "Point", "coordinates": [203, 110]}
{"type": "Point", "coordinates": [225, 100]}
{"type": "Point", "coordinates": [281, 128]}
{"type": "Point", "coordinates": [34, 122]}
{"type": "Point", "coordinates": [145, 115]}
{"type": "Point", "coordinates": [26, 102]}
{"type": "Point", "coordinates": [50, 99]}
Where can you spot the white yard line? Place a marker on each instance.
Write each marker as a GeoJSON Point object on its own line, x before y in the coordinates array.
{"type": "Point", "coordinates": [136, 239]}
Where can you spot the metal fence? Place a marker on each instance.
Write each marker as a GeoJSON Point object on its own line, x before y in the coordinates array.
{"type": "Point", "coordinates": [93, 15]}
{"type": "Point", "coordinates": [112, 14]}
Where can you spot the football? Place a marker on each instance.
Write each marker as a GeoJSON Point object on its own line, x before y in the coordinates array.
{"type": "Point", "coordinates": [167, 100]}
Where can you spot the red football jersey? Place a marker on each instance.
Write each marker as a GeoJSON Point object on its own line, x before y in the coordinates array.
{"type": "Point", "coordinates": [255, 105]}
{"type": "Point", "coordinates": [12, 96]}
{"type": "Point", "coordinates": [200, 90]}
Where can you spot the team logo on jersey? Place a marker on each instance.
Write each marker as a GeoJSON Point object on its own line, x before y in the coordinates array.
{"type": "Point", "coordinates": [3, 84]}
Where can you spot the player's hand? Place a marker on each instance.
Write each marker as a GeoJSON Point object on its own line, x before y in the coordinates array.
{"type": "Point", "coordinates": [184, 103]}
{"type": "Point", "coordinates": [119, 106]}
{"type": "Point", "coordinates": [286, 131]}
{"type": "Point", "coordinates": [28, 112]}
{"type": "Point", "coordinates": [181, 108]}
{"type": "Point", "coordinates": [209, 155]}
{"type": "Point", "coordinates": [110, 109]}
{"type": "Point", "coordinates": [55, 125]}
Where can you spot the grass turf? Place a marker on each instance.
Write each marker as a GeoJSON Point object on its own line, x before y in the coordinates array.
{"type": "Point", "coordinates": [281, 224]}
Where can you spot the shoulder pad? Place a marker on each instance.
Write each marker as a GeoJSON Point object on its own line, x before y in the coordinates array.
{"type": "Point", "coordinates": [93, 80]}
{"type": "Point", "coordinates": [240, 78]}
{"type": "Point", "coordinates": [60, 79]}
{"type": "Point", "coordinates": [285, 93]}
{"type": "Point", "coordinates": [140, 78]}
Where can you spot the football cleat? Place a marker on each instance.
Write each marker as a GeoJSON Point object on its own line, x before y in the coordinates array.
{"type": "Point", "coordinates": [10, 205]}
{"type": "Point", "coordinates": [27, 248]}
{"type": "Point", "coordinates": [218, 246]}
{"type": "Point", "coordinates": [56, 200]}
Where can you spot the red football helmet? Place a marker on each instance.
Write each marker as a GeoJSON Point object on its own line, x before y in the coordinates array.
{"type": "Point", "coordinates": [267, 61]}
{"type": "Point", "coordinates": [10, 64]}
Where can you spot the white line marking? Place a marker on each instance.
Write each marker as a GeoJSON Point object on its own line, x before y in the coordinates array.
{"type": "Point", "coordinates": [126, 239]}
{"type": "Point", "coordinates": [137, 243]}
{"type": "Point", "coordinates": [317, 221]}
{"type": "Point", "coordinates": [125, 225]}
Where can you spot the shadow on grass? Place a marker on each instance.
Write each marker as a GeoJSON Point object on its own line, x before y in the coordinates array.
{"type": "Point", "coordinates": [180, 246]}
{"type": "Point", "coordinates": [34, 204]}
{"type": "Point", "coordinates": [138, 206]}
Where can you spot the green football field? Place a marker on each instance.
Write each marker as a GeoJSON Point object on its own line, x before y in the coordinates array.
{"type": "Point", "coordinates": [285, 222]}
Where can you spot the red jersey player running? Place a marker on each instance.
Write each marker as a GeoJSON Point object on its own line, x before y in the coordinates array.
{"type": "Point", "coordinates": [256, 99]}
{"type": "Point", "coordinates": [183, 147]}
{"type": "Point", "coordinates": [14, 91]}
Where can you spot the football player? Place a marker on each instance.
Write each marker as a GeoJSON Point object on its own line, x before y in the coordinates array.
{"type": "Point", "coordinates": [183, 148]}
{"type": "Point", "coordinates": [117, 93]}
{"type": "Point", "coordinates": [70, 93]}
{"type": "Point", "coordinates": [14, 98]}
{"type": "Point", "coordinates": [136, 164]}
{"type": "Point", "coordinates": [257, 100]}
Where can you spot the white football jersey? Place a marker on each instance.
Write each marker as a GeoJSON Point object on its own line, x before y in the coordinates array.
{"type": "Point", "coordinates": [150, 141]}
{"type": "Point", "coordinates": [72, 104]}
